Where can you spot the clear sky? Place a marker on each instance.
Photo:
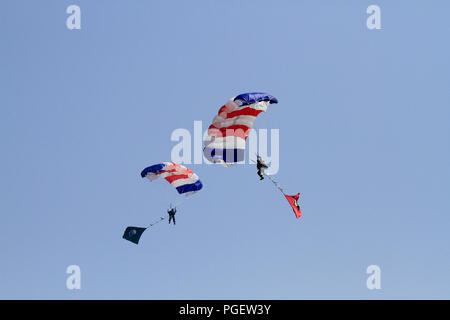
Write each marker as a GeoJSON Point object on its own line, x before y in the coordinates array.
{"type": "Point", "coordinates": [364, 136]}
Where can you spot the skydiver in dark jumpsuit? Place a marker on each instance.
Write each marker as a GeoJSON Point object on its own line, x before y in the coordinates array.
{"type": "Point", "coordinates": [261, 166]}
{"type": "Point", "coordinates": [171, 213]}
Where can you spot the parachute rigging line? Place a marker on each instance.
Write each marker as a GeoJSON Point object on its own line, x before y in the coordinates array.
{"type": "Point", "coordinates": [157, 221]}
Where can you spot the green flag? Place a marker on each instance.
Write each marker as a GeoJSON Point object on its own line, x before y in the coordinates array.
{"type": "Point", "coordinates": [133, 234]}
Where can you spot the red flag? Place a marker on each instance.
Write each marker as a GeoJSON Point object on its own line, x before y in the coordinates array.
{"type": "Point", "coordinates": [293, 201]}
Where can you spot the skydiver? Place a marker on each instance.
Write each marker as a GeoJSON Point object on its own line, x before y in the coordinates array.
{"type": "Point", "coordinates": [261, 166]}
{"type": "Point", "coordinates": [171, 213]}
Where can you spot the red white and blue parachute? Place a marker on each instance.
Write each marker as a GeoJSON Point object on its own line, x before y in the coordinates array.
{"type": "Point", "coordinates": [225, 142]}
{"type": "Point", "coordinates": [181, 178]}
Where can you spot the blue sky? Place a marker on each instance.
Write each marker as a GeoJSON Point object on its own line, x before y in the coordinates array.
{"type": "Point", "coordinates": [363, 118]}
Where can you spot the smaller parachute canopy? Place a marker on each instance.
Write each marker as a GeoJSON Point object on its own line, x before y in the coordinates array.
{"type": "Point", "coordinates": [181, 178]}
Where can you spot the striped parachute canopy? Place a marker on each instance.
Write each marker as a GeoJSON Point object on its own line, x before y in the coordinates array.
{"type": "Point", "coordinates": [225, 142]}
{"type": "Point", "coordinates": [183, 179]}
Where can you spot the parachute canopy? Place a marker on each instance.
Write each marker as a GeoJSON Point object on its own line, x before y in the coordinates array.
{"type": "Point", "coordinates": [229, 130]}
{"type": "Point", "coordinates": [183, 179]}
